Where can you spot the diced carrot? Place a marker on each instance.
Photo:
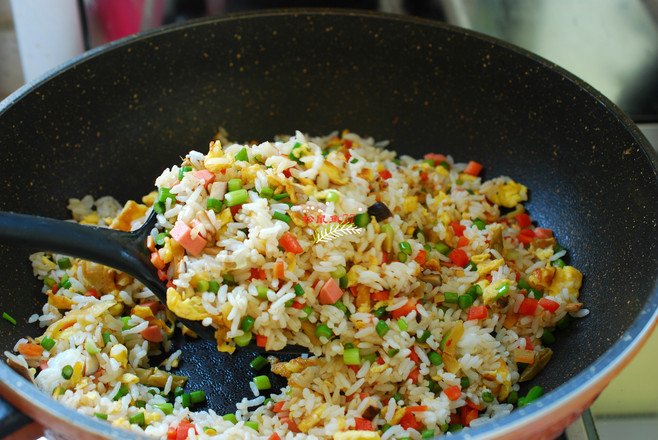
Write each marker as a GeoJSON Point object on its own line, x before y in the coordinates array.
{"type": "Point", "coordinates": [330, 292]}
{"type": "Point", "coordinates": [528, 306]}
{"type": "Point", "coordinates": [297, 305]}
{"type": "Point", "coordinates": [162, 275]}
{"type": "Point", "coordinates": [413, 356]}
{"type": "Point", "coordinates": [474, 405]}
{"type": "Point", "coordinates": [181, 233]}
{"type": "Point", "coordinates": [153, 305]}
{"type": "Point", "coordinates": [43, 365]}
{"type": "Point", "coordinates": [408, 420]}
{"type": "Point", "coordinates": [385, 174]}
{"type": "Point", "coordinates": [92, 292]}
{"type": "Point", "coordinates": [292, 426]}
{"type": "Point", "coordinates": [170, 285]}
{"type": "Point", "coordinates": [528, 344]}
{"type": "Point", "coordinates": [414, 375]}
{"type": "Point", "coordinates": [290, 244]}
{"type": "Point", "coordinates": [380, 295]}
{"type": "Point", "coordinates": [274, 436]}
{"type": "Point", "coordinates": [468, 415]}
{"type": "Point", "coordinates": [279, 269]}
{"type": "Point", "coordinates": [459, 257]}
{"type": "Point", "coordinates": [348, 156]}
{"type": "Point", "coordinates": [418, 408]}
{"type": "Point", "coordinates": [473, 168]}
{"type": "Point", "coordinates": [362, 424]}
{"type": "Point", "coordinates": [235, 209]}
{"type": "Point", "coordinates": [171, 433]}
{"type": "Point", "coordinates": [477, 312]}
{"type": "Point", "coordinates": [261, 340]}
{"type": "Point", "coordinates": [152, 333]}
{"type": "Point", "coordinates": [453, 393]}
{"type": "Point", "coordinates": [525, 356]}
{"type": "Point", "coordinates": [523, 220]}
{"type": "Point", "coordinates": [207, 177]}
{"type": "Point", "coordinates": [462, 241]}
{"type": "Point", "coordinates": [278, 407]}
{"type": "Point", "coordinates": [421, 258]}
{"type": "Point", "coordinates": [156, 260]}
{"type": "Point", "coordinates": [424, 175]}
{"type": "Point", "coordinates": [150, 243]}
{"type": "Point", "coordinates": [258, 274]}
{"type": "Point", "coordinates": [526, 236]}
{"type": "Point", "coordinates": [549, 305]}
{"type": "Point", "coordinates": [543, 233]}
{"type": "Point", "coordinates": [404, 310]}
{"type": "Point", "coordinates": [458, 228]}
{"type": "Point", "coordinates": [30, 349]}
{"type": "Point", "coordinates": [510, 321]}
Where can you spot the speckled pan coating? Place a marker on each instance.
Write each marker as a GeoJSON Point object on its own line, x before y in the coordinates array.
{"type": "Point", "coordinates": [110, 121]}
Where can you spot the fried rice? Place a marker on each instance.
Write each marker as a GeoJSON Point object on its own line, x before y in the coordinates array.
{"type": "Point", "coordinates": [423, 293]}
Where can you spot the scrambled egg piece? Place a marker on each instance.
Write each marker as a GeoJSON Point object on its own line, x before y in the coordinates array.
{"type": "Point", "coordinates": [486, 268]}
{"type": "Point", "coordinates": [131, 211]}
{"type": "Point", "coordinates": [567, 276]}
{"type": "Point", "coordinates": [508, 194]}
{"type": "Point", "coordinates": [541, 278]}
{"type": "Point", "coordinates": [410, 204]}
{"type": "Point", "coordinates": [491, 291]}
{"type": "Point", "coordinates": [191, 308]}
{"type": "Point", "coordinates": [506, 384]}
{"type": "Point", "coordinates": [334, 173]}
{"type": "Point", "coordinates": [215, 161]}
{"type": "Point", "coordinates": [95, 310]}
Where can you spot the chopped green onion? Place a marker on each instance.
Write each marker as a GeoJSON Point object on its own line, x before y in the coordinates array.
{"type": "Point", "coordinates": [281, 216]}
{"type": "Point", "coordinates": [380, 312]}
{"type": "Point", "coordinates": [236, 197]}
{"type": "Point", "coordinates": [159, 207]}
{"type": "Point", "coordinates": [535, 393]}
{"type": "Point", "coordinates": [299, 290]}
{"type": "Point", "coordinates": [243, 340]}
{"type": "Point", "coordinates": [445, 164]}
{"type": "Point", "coordinates": [202, 286]}
{"type": "Point", "coordinates": [125, 320]}
{"type": "Point", "coordinates": [308, 310]}
{"type": "Point", "coordinates": [166, 408]}
{"type": "Point", "coordinates": [49, 282]}
{"type": "Point", "coordinates": [355, 160]}
{"type": "Point", "coordinates": [451, 297]}
{"type": "Point", "coordinates": [333, 196]}
{"type": "Point", "coordinates": [369, 358]}
{"type": "Point", "coordinates": [198, 396]}
{"type": "Point", "coordinates": [106, 338]}
{"type": "Point", "coordinates": [338, 272]}
{"type": "Point", "coordinates": [475, 290]}
{"type": "Point", "coordinates": [397, 397]}
{"type": "Point", "coordinates": [523, 284]}
{"type": "Point", "coordinates": [362, 220]}
{"type": "Point", "coordinates": [67, 372]}
{"type": "Point", "coordinates": [558, 263]}
{"type": "Point", "coordinates": [64, 263]}
{"type": "Point", "coordinates": [8, 318]}
{"type": "Point", "coordinates": [435, 358]}
{"type": "Point", "coordinates": [547, 337]}
{"type": "Point", "coordinates": [101, 416]}
{"type": "Point", "coordinates": [234, 185]}
{"type": "Point", "coordinates": [252, 425]}
{"type": "Point", "coordinates": [456, 427]}
{"type": "Point", "coordinates": [160, 238]}
{"type": "Point", "coordinates": [342, 307]}
{"type": "Point", "coordinates": [186, 400]}
{"type": "Point", "coordinates": [402, 325]}
{"type": "Point", "coordinates": [402, 257]}
{"type": "Point", "coordinates": [465, 301]}
{"type": "Point", "coordinates": [47, 342]}
{"type": "Point", "coordinates": [228, 279]}
{"type": "Point", "coordinates": [513, 398]}
{"type": "Point", "coordinates": [123, 390]}
{"type": "Point", "coordinates": [259, 363]}
{"type": "Point", "coordinates": [230, 417]}
{"type": "Point", "coordinates": [444, 427]}
{"type": "Point", "coordinates": [392, 352]}
{"type": "Point", "coordinates": [91, 348]}
{"type": "Point", "coordinates": [419, 233]}
{"type": "Point", "coordinates": [429, 433]}
{"type": "Point", "coordinates": [140, 403]}
{"type": "Point", "coordinates": [323, 330]}
{"type": "Point", "coordinates": [266, 192]}
{"type": "Point", "coordinates": [213, 286]}
{"type": "Point", "coordinates": [558, 248]}
{"type": "Point", "coordinates": [471, 266]}
{"type": "Point", "coordinates": [242, 155]}
{"type": "Point", "coordinates": [535, 293]}
{"type": "Point", "coordinates": [385, 427]}
{"type": "Point", "coordinates": [442, 248]}
{"type": "Point", "coordinates": [178, 391]}
{"type": "Point", "coordinates": [247, 323]}
{"type": "Point", "coordinates": [465, 382]}
{"type": "Point", "coordinates": [164, 194]}
{"type": "Point", "coordinates": [261, 291]}
{"type": "Point", "coordinates": [427, 247]}
{"type": "Point", "coordinates": [65, 283]}
{"type": "Point", "coordinates": [280, 196]}
{"type": "Point", "coordinates": [487, 396]}
{"type": "Point", "coordinates": [405, 247]}
{"type": "Point", "coordinates": [564, 322]}
{"type": "Point", "coordinates": [502, 291]}
{"type": "Point", "coordinates": [480, 224]}
{"type": "Point", "coordinates": [425, 336]}
{"type": "Point", "coordinates": [214, 204]}
{"type": "Point", "coordinates": [262, 382]}
{"type": "Point", "coordinates": [183, 170]}
{"type": "Point", "coordinates": [382, 328]}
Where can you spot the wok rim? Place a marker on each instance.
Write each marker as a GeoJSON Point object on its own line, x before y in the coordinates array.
{"type": "Point", "coordinates": [587, 383]}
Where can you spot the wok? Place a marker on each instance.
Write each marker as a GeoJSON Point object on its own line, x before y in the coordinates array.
{"type": "Point", "coordinates": [110, 121]}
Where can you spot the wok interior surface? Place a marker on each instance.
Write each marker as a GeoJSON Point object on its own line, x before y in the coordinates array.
{"type": "Point", "coordinates": [111, 122]}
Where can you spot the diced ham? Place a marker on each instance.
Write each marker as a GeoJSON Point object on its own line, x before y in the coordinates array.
{"type": "Point", "coordinates": [543, 233]}
{"type": "Point", "coordinates": [206, 176]}
{"type": "Point", "coordinates": [330, 292]}
{"type": "Point", "coordinates": [181, 233]}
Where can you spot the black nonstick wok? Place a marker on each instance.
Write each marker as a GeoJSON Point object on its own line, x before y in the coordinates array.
{"type": "Point", "coordinates": [109, 122]}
